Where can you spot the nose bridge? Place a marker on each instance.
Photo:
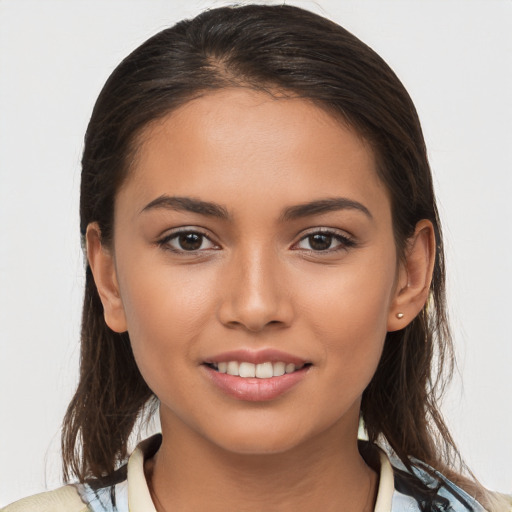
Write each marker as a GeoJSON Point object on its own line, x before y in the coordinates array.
{"type": "Point", "coordinates": [254, 294]}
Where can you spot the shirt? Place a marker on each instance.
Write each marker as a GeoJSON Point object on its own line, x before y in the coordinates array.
{"type": "Point", "coordinates": [398, 490]}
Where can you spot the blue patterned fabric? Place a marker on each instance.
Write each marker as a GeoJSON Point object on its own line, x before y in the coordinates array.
{"type": "Point", "coordinates": [101, 500]}
{"type": "Point", "coordinates": [437, 494]}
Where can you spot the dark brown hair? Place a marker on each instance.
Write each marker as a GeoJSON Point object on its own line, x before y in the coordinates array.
{"type": "Point", "coordinates": [291, 51]}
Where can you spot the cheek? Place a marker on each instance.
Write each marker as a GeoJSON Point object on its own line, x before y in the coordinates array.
{"type": "Point", "coordinates": [355, 300]}
{"type": "Point", "coordinates": [347, 311]}
{"type": "Point", "coordinates": [166, 311]}
{"type": "Point", "coordinates": [156, 295]}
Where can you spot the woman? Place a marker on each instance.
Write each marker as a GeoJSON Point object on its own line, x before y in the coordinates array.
{"type": "Point", "coordinates": [262, 241]}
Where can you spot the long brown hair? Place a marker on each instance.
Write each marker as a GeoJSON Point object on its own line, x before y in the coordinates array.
{"type": "Point", "coordinates": [293, 51]}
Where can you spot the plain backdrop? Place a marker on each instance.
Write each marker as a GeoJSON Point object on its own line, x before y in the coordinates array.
{"type": "Point", "coordinates": [453, 57]}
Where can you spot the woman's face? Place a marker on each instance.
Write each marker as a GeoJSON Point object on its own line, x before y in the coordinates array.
{"type": "Point", "coordinates": [253, 236]}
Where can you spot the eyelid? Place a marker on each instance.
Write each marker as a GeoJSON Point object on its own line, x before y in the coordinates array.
{"type": "Point", "coordinates": [163, 241]}
{"type": "Point", "coordinates": [346, 240]}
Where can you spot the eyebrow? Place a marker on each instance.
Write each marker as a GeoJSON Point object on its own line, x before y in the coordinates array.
{"type": "Point", "coordinates": [210, 209]}
{"type": "Point", "coordinates": [188, 204]}
{"type": "Point", "coordinates": [322, 206]}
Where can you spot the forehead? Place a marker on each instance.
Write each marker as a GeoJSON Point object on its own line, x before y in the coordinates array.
{"type": "Point", "coordinates": [239, 143]}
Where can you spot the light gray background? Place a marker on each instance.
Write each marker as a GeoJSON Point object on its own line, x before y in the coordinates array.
{"type": "Point", "coordinates": [454, 58]}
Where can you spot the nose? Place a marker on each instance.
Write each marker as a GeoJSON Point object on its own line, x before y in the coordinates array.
{"type": "Point", "coordinates": [255, 296]}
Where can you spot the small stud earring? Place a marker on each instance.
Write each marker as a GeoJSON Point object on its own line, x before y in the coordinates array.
{"type": "Point", "coordinates": [400, 315]}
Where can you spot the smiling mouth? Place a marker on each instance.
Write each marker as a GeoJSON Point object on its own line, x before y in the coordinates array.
{"type": "Point", "coordinates": [265, 370]}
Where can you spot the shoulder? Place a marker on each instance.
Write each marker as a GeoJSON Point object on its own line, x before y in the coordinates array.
{"type": "Point", "coordinates": [435, 492]}
{"type": "Point", "coordinates": [431, 491]}
{"type": "Point", "coordinates": [64, 499]}
{"type": "Point", "coordinates": [97, 495]}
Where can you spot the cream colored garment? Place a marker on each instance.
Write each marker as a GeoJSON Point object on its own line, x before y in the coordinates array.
{"type": "Point", "coordinates": [65, 499]}
{"type": "Point", "coordinates": [136, 497]}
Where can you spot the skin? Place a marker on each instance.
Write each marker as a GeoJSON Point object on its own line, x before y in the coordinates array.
{"type": "Point", "coordinates": [258, 282]}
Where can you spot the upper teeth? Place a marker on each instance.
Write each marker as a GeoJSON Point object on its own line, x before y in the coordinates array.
{"type": "Point", "coordinates": [261, 371]}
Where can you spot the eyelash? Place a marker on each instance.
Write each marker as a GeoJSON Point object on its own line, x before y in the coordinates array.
{"type": "Point", "coordinates": [164, 242]}
{"type": "Point", "coordinates": [345, 242]}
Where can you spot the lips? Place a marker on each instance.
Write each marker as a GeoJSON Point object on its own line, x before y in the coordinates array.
{"type": "Point", "coordinates": [255, 375]}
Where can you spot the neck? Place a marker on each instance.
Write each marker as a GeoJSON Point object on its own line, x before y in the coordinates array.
{"type": "Point", "coordinates": [192, 474]}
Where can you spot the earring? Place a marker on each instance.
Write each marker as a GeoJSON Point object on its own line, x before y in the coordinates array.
{"type": "Point", "coordinates": [399, 315]}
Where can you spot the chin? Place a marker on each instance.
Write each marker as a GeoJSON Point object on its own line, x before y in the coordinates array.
{"type": "Point", "coordinates": [268, 446]}
{"type": "Point", "coordinates": [257, 439]}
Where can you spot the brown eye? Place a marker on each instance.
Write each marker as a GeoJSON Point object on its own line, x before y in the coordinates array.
{"type": "Point", "coordinates": [190, 241]}
{"type": "Point", "coordinates": [186, 242]}
{"type": "Point", "coordinates": [326, 241]}
{"type": "Point", "coordinates": [320, 242]}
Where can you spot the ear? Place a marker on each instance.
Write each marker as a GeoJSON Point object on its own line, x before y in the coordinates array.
{"type": "Point", "coordinates": [414, 277]}
{"type": "Point", "coordinates": [101, 261]}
